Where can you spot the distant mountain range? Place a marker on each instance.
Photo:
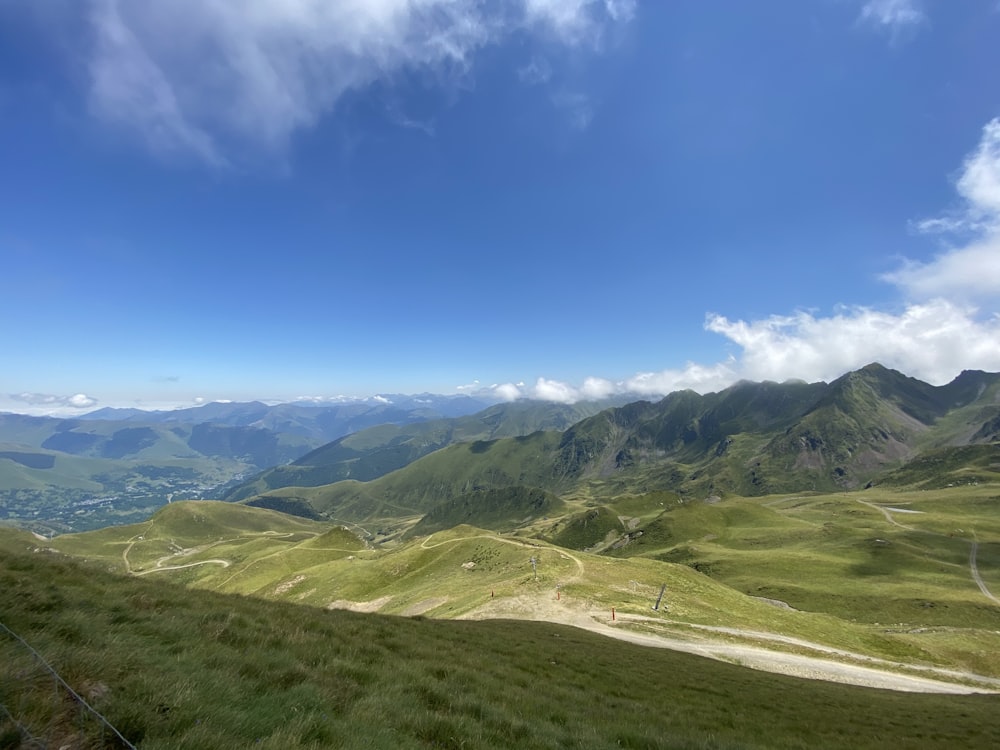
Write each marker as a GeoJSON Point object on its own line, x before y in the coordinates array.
{"type": "Point", "coordinates": [411, 456]}
{"type": "Point", "coordinates": [114, 465]}
{"type": "Point", "coordinates": [750, 439]}
{"type": "Point", "coordinates": [376, 451]}
{"type": "Point", "coordinates": [316, 421]}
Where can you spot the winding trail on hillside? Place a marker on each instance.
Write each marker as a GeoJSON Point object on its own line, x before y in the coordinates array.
{"type": "Point", "coordinates": [888, 516]}
{"type": "Point", "coordinates": [516, 542]}
{"type": "Point", "coordinates": [704, 640]}
{"type": "Point", "coordinates": [974, 567]}
{"type": "Point", "coordinates": [973, 551]}
{"type": "Point", "coordinates": [159, 568]}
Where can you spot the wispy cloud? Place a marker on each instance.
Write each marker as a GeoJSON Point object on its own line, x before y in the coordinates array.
{"type": "Point", "coordinates": [978, 186]}
{"type": "Point", "coordinates": [52, 402]}
{"type": "Point", "coordinates": [972, 271]}
{"type": "Point", "coordinates": [128, 86]}
{"type": "Point", "coordinates": [577, 106]}
{"type": "Point", "coordinates": [219, 81]}
{"type": "Point", "coordinates": [577, 21]}
{"type": "Point", "coordinates": [536, 72]}
{"type": "Point", "coordinates": [892, 15]}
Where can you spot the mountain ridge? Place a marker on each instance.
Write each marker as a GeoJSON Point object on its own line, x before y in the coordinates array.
{"type": "Point", "coordinates": [749, 439]}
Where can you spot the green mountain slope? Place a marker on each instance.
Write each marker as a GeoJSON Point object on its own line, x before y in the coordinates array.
{"type": "Point", "coordinates": [750, 439]}
{"type": "Point", "coordinates": [376, 451]}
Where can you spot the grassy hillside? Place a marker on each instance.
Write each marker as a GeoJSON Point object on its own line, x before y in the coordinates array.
{"type": "Point", "coordinates": [501, 510]}
{"type": "Point", "coordinates": [437, 478]}
{"type": "Point", "coordinates": [726, 564]}
{"type": "Point", "coordinates": [175, 668]}
{"type": "Point", "coordinates": [376, 451]}
{"type": "Point", "coordinates": [752, 439]}
{"type": "Point", "coordinates": [899, 560]}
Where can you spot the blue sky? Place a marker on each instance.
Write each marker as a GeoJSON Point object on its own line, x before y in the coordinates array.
{"type": "Point", "coordinates": [548, 198]}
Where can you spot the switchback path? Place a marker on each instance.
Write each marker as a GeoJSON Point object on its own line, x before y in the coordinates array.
{"type": "Point", "coordinates": [516, 542]}
{"type": "Point", "coordinates": [974, 567]}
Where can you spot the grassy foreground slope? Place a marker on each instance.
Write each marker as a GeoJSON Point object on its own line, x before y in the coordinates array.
{"type": "Point", "coordinates": [172, 667]}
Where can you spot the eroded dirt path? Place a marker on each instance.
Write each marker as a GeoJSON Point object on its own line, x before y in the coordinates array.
{"type": "Point", "coordinates": [974, 567]}
{"type": "Point", "coordinates": [848, 668]}
{"type": "Point", "coordinates": [888, 515]}
{"type": "Point", "coordinates": [159, 568]}
{"type": "Point", "coordinates": [517, 543]}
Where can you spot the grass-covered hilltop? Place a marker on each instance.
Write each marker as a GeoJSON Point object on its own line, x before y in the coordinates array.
{"type": "Point", "coordinates": [773, 566]}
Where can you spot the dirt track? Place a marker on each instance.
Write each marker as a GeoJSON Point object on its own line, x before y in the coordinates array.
{"type": "Point", "coordinates": [868, 673]}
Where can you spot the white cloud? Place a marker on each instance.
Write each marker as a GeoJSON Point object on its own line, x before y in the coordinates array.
{"type": "Point", "coordinates": [51, 404]}
{"type": "Point", "coordinates": [554, 390]}
{"type": "Point", "coordinates": [506, 392]}
{"type": "Point", "coordinates": [216, 80]}
{"type": "Point", "coordinates": [693, 376]}
{"type": "Point", "coordinates": [892, 14]}
{"type": "Point", "coordinates": [971, 272]}
{"type": "Point", "coordinates": [575, 21]}
{"type": "Point", "coordinates": [930, 341]}
{"type": "Point", "coordinates": [980, 180]}
{"type": "Point", "coordinates": [594, 389]}
{"type": "Point", "coordinates": [620, 10]}
{"type": "Point", "coordinates": [81, 401]}
{"type": "Point", "coordinates": [979, 187]}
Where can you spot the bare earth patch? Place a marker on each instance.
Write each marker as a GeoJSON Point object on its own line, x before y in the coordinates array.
{"type": "Point", "coordinates": [371, 606]}
{"type": "Point", "coordinates": [420, 607]}
{"type": "Point", "coordinates": [284, 588]}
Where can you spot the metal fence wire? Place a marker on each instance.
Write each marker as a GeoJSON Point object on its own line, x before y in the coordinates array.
{"type": "Point", "coordinates": [39, 709]}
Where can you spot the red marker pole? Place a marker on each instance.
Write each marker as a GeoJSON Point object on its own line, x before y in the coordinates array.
{"type": "Point", "coordinates": [612, 614]}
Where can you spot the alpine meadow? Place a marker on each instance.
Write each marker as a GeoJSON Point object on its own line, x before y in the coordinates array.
{"type": "Point", "coordinates": [482, 374]}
